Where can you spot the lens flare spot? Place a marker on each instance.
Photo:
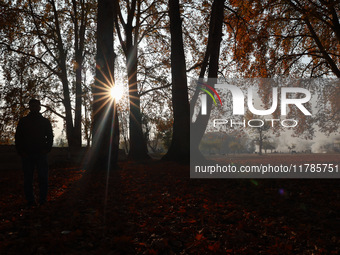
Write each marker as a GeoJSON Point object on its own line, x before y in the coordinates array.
{"type": "Point", "coordinates": [281, 192]}
{"type": "Point", "coordinates": [117, 92]}
{"type": "Point", "coordinates": [254, 182]}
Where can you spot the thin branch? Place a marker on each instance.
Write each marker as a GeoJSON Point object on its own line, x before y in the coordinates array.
{"type": "Point", "coordinates": [153, 89]}
{"type": "Point", "coordinates": [53, 111]}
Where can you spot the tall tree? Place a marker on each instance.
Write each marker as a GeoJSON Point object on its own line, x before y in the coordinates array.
{"type": "Point", "coordinates": [138, 148]}
{"type": "Point", "coordinates": [141, 19]}
{"type": "Point", "coordinates": [79, 22]}
{"type": "Point", "coordinates": [180, 145]}
{"type": "Point", "coordinates": [211, 59]}
{"type": "Point", "coordinates": [105, 142]}
{"type": "Point", "coordinates": [260, 131]}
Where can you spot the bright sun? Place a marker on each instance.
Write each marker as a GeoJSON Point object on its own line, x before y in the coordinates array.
{"type": "Point", "coordinates": [117, 92]}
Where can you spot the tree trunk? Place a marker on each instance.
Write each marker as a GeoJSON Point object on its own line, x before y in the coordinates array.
{"type": "Point", "coordinates": [79, 38]}
{"type": "Point", "coordinates": [64, 80]}
{"type": "Point", "coordinates": [68, 109]}
{"type": "Point", "coordinates": [77, 114]}
{"type": "Point", "coordinates": [138, 148]}
{"type": "Point", "coordinates": [105, 143]}
{"type": "Point", "coordinates": [213, 51]}
{"type": "Point", "coordinates": [180, 145]}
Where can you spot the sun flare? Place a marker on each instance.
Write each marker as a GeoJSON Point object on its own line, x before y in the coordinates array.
{"type": "Point", "coordinates": [116, 92]}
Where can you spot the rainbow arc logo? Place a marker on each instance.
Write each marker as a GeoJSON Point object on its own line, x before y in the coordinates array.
{"type": "Point", "coordinates": [209, 93]}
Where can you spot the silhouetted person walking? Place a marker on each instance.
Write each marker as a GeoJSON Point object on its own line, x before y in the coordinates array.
{"type": "Point", "coordinates": [33, 140]}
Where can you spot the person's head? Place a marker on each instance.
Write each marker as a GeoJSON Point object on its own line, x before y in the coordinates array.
{"type": "Point", "coordinates": [34, 105]}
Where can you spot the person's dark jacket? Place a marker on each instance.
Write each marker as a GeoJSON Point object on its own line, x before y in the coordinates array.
{"type": "Point", "coordinates": [33, 135]}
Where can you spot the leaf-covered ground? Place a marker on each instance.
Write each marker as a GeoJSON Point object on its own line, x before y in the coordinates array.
{"type": "Point", "coordinates": [155, 208]}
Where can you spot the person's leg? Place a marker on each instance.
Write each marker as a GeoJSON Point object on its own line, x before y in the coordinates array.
{"type": "Point", "coordinates": [42, 166]}
{"type": "Point", "coordinates": [28, 169]}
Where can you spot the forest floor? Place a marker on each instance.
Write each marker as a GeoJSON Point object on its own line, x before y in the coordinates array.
{"type": "Point", "coordinates": [155, 208]}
